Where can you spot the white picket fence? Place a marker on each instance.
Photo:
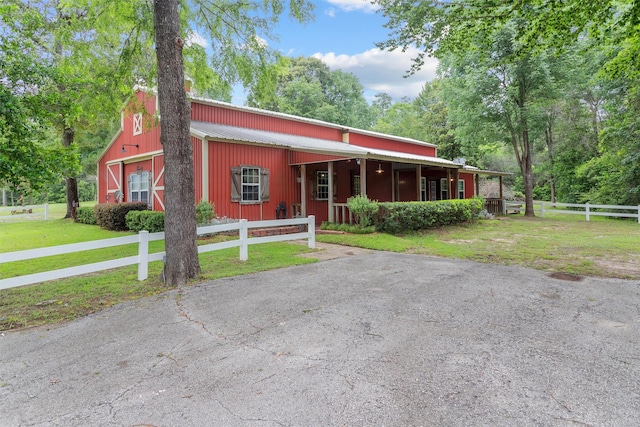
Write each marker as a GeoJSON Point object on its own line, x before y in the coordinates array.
{"type": "Point", "coordinates": [144, 257]}
{"type": "Point", "coordinates": [586, 209]}
{"type": "Point", "coordinates": [22, 212]}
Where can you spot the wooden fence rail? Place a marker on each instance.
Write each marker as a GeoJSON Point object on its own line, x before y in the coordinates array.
{"type": "Point", "coordinates": [144, 257]}
{"type": "Point", "coordinates": [586, 209]}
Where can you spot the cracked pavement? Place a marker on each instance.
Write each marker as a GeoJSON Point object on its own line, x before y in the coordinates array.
{"type": "Point", "coordinates": [373, 339]}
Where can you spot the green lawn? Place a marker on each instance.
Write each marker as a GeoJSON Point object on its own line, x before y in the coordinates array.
{"type": "Point", "coordinates": [67, 299]}
{"type": "Point", "coordinates": [602, 247]}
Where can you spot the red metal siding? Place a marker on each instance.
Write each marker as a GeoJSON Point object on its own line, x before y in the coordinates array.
{"type": "Point", "coordinates": [387, 144]}
{"type": "Point", "coordinates": [468, 184]}
{"type": "Point", "coordinates": [283, 185]}
{"type": "Point", "coordinates": [147, 141]}
{"type": "Point", "coordinates": [197, 168]}
{"type": "Point", "coordinates": [231, 117]}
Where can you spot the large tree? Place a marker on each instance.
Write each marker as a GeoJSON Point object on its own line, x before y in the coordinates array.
{"type": "Point", "coordinates": [307, 87]}
{"type": "Point", "coordinates": [456, 28]}
{"type": "Point", "coordinates": [77, 58]}
{"type": "Point", "coordinates": [239, 53]}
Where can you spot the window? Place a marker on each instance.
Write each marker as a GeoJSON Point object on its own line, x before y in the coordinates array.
{"type": "Point", "coordinates": [355, 185]}
{"type": "Point", "coordinates": [460, 189]}
{"type": "Point", "coordinates": [322, 187]}
{"type": "Point", "coordinates": [423, 189]}
{"type": "Point", "coordinates": [139, 184]}
{"type": "Point", "coordinates": [249, 184]}
{"type": "Point", "coordinates": [137, 124]}
{"type": "Point", "coordinates": [444, 189]}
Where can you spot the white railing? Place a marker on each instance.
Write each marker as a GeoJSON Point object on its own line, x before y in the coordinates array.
{"type": "Point", "coordinates": [144, 257]}
{"type": "Point", "coordinates": [21, 212]}
{"type": "Point", "coordinates": [585, 209]}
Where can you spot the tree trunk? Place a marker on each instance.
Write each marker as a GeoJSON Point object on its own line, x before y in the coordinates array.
{"type": "Point", "coordinates": [180, 216]}
{"type": "Point", "coordinates": [526, 167]}
{"type": "Point", "coordinates": [548, 134]}
{"type": "Point", "coordinates": [68, 136]}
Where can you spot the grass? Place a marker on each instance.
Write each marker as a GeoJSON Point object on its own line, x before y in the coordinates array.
{"type": "Point", "coordinates": [56, 211]}
{"type": "Point", "coordinates": [602, 247]}
{"type": "Point", "coordinates": [62, 300]}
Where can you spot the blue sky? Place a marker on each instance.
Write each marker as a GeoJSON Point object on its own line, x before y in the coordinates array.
{"type": "Point", "coordinates": [343, 35]}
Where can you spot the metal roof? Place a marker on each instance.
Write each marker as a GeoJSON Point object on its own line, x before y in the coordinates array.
{"type": "Point", "coordinates": [215, 131]}
{"type": "Point", "coordinates": [206, 130]}
{"type": "Point", "coordinates": [262, 112]}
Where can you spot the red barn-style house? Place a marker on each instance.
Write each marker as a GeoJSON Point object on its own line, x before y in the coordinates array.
{"type": "Point", "coordinates": [256, 164]}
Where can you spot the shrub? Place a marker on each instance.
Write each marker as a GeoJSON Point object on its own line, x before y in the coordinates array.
{"type": "Point", "coordinates": [151, 221]}
{"type": "Point", "coordinates": [204, 212]}
{"type": "Point", "coordinates": [85, 215]}
{"type": "Point", "coordinates": [363, 210]}
{"type": "Point", "coordinates": [411, 216]}
{"type": "Point", "coordinates": [112, 216]}
{"type": "Point", "coordinates": [347, 228]}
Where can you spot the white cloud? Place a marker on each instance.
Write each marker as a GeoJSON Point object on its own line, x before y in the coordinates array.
{"type": "Point", "coordinates": [383, 71]}
{"type": "Point", "coordinates": [196, 38]}
{"type": "Point", "coordinates": [331, 13]}
{"type": "Point", "coordinates": [351, 5]}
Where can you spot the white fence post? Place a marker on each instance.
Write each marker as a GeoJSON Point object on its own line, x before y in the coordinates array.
{"type": "Point", "coordinates": [542, 209]}
{"type": "Point", "coordinates": [143, 255]}
{"type": "Point", "coordinates": [244, 237]}
{"type": "Point", "coordinates": [504, 207]}
{"type": "Point", "coordinates": [587, 211]}
{"type": "Point", "coordinates": [311, 241]}
{"type": "Point", "coordinates": [46, 211]}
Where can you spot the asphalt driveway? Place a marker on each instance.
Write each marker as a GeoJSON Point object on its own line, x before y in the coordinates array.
{"type": "Point", "coordinates": [376, 339]}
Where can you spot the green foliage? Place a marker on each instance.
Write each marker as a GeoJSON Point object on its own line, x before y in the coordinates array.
{"type": "Point", "coordinates": [28, 159]}
{"type": "Point", "coordinates": [86, 215]}
{"type": "Point", "coordinates": [399, 217]}
{"type": "Point", "coordinates": [306, 87]}
{"type": "Point", "coordinates": [204, 212]}
{"type": "Point", "coordinates": [152, 221]}
{"type": "Point", "coordinates": [112, 216]}
{"type": "Point", "coordinates": [363, 210]}
{"type": "Point", "coordinates": [347, 228]}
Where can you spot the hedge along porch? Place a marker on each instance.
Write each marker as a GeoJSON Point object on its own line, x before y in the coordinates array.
{"type": "Point", "coordinates": [252, 163]}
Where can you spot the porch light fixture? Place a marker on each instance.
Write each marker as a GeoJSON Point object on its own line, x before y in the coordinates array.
{"type": "Point", "coordinates": [358, 161]}
{"type": "Point", "coordinates": [124, 150]}
{"type": "Point", "coordinates": [379, 170]}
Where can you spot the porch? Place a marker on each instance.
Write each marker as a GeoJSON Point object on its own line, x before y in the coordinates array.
{"type": "Point", "coordinates": [324, 187]}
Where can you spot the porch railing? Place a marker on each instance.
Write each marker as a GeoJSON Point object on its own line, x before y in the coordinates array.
{"type": "Point", "coordinates": [342, 214]}
{"type": "Point", "coordinates": [494, 206]}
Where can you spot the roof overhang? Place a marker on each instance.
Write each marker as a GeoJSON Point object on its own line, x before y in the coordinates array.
{"type": "Point", "coordinates": [225, 133]}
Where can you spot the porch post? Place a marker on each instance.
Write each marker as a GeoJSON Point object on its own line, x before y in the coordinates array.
{"type": "Point", "coordinates": [456, 178]}
{"type": "Point", "coordinates": [396, 187]}
{"type": "Point", "coordinates": [418, 182]}
{"type": "Point", "coordinates": [393, 183]}
{"type": "Point", "coordinates": [363, 177]}
{"type": "Point", "coordinates": [303, 190]}
{"type": "Point", "coordinates": [330, 201]}
{"type": "Point", "coordinates": [501, 191]}
{"type": "Point", "coordinates": [449, 184]}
